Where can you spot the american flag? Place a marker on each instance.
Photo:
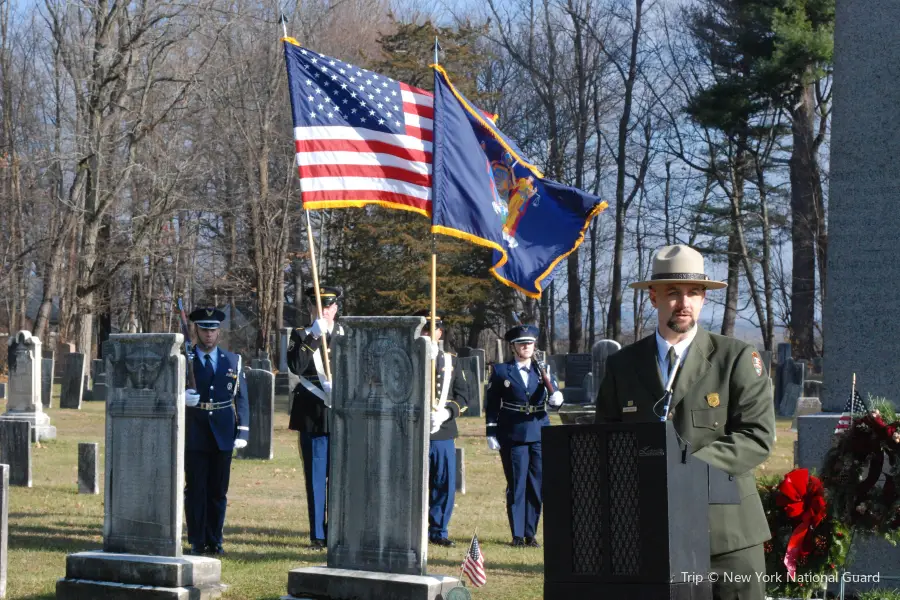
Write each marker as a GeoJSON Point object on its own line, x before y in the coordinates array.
{"type": "Point", "coordinates": [855, 407]}
{"type": "Point", "coordinates": [473, 565]}
{"type": "Point", "coordinates": [361, 138]}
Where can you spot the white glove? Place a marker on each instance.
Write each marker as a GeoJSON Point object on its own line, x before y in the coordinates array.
{"type": "Point", "coordinates": [239, 443]}
{"type": "Point", "coordinates": [493, 444]}
{"type": "Point", "coordinates": [319, 327]}
{"type": "Point", "coordinates": [191, 398]}
{"type": "Point", "coordinates": [556, 399]}
{"type": "Point", "coordinates": [431, 351]}
{"type": "Point", "coordinates": [437, 419]}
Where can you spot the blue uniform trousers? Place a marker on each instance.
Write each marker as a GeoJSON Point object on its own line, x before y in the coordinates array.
{"type": "Point", "coordinates": [522, 467]}
{"type": "Point", "coordinates": [442, 486]}
{"type": "Point", "coordinates": [314, 450]}
{"type": "Point", "coordinates": [206, 476]}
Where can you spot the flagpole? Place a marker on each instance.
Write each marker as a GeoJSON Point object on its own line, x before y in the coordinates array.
{"type": "Point", "coordinates": [312, 253]}
{"type": "Point", "coordinates": [852, 398]}
{"type": "Point", "coordinates": [434, 396]}
{"type": "Point", "coordinates": [462, 566]}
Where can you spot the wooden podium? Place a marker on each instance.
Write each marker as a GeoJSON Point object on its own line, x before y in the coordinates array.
{"type": "Point", "coordinates": [626, 513]}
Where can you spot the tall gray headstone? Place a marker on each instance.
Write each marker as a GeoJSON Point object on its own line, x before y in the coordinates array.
{"type": "Point", "coordinates": [88, 473]}
{"type": "Point", "coordinates": [72, 382]}
{"type": "Point", "coordinates": [24, 404]}
{"type": "Point", "coordinates": [4, 525]}
{"type": "Point", "coordinates": [15, 451]}
{"type": "Point", "coordinates": [284, 338]}
{"type": "Point", "coordinates": [860, 321]}
{"type": "Point", "coordinates": [377, 547]}
{"type": "Point", "coordinates": [468, 371]}
{"type": "Point", "coordinates": [144, 482]}
{"type": "Point", "coordinates": [261, 395]}
{"type": "Point", "coordinates": [599, 353]}
{"type": "Point", "coordinates": [47, 382]}
{"type": "Point", "coordinates": [577, 366]}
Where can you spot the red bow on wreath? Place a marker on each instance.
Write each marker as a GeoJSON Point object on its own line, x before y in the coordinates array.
{"type": "Point", "coordinates": [802, 497]}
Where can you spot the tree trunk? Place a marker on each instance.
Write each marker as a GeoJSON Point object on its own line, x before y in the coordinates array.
{"type": "Point", "coordinates": [731, 292]}
{"type": "Point", "coordinates": [805, 225]}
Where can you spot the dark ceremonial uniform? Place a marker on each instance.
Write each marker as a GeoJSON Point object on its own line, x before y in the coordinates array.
{"type": "Point", "coordinates": [211, 428]}
{"type": "Point", "coordinates": [450, 386]}
{"type": "Point", "coordinates": [515, 412]}
{"type": "Point", "coordinates": [310, 417]}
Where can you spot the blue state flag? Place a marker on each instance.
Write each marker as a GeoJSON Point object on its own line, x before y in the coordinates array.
{"type": "Point", "coordinates": [485, 191]}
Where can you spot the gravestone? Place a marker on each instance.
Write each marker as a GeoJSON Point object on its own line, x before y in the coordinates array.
{"type": "Point", "coordinates": [263, 364]}
{"type": "Point", "coordinates": [261, 395]}
{"type": "Point", "coordinates": [467, 351]}
{"type": "Point", "coordinates": [72, 382]}
{"type": "Point", "coordinates": [284, 338]}
{"type": "Point", "coordinates": [47, 382]}
{"type": "Point", "coordinates": [62, 352]}
{"type": "Point", "coordinates": [378, 494]}
{"type": "Point", "coordinates": [599, 353]}
{"type": "Point", "coordinates": [468, 371]}
{"type": "Point", "coordinates": [141, 555]}
{"type": "Point", "coordinates": [461, 470]}
{"type": "Point", "coordinates": [812, 388]}
{"type": "Point", "coordinates": [806, 406]}
{"type": "Point", "coordinates": [577, 366]}
{"type": "Point", "coordinates": [860, 318]}
{"type": "Point", "coordinates": [87, 468]}
{"type": "Point", "coordinates": [557, 364]}
{"type": "Point", "coordinates": [15, 451]}
{"type": "Point", "coordinates": [98, 382]}
{"type": "Point", "coordinates": [788, 381]}
{"type": "Point", "coordinates": [24, 403]}
{"type": "Point", "coordinates": [4, 525]}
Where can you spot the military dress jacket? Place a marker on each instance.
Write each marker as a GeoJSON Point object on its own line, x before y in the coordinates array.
{"type": "Point", "coordinates": [457, 401]}
{"type": "Point", "coordinates": [722, 406]}
{"type": "Point", "coordinates": [513, 411]}
{"type": "Point", "coordinates": [309, 413]}
{"type": "Point", "coordinates": [223, 413]}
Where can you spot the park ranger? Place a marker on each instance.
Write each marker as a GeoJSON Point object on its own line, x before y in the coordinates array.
{"type": "Point", "coordinates": [721, 405]}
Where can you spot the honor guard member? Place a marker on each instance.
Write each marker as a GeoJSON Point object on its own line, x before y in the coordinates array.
{"type": "Point", "coordinates": [217, 418]}
{"type": "Point", "coordinates": [515, 411]}
{"type": "Point", "coordinates": [721, 406]}
{"type": "Point", "coordinates": [312, 401]}
{"type": "Point", "coordinates": [451, 389]}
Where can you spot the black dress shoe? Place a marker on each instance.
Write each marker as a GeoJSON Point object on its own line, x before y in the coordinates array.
{"type": "Point", "coordinates": [215, 550]}
{"type": "Point", "coordinates": [443, 542]}
{"type": "Point", "coordinates": [518, 542]}
{"type": "Point", "coordinates": [318, 545]}
{"type": "Point", "coordinates": [532, 543]}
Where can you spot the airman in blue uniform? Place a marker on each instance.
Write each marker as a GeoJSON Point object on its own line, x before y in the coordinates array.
{"type": "Point", "coordinates": [311, 406]}
{"type": "Point", "coordinates": [451, 389]}
{"type": "Point", "coordinates": [217, 419]}
{"type": "Point", "coordinates": [515, 411]}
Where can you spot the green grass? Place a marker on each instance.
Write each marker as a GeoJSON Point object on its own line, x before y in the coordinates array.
{"type": "Point", "coordinates": [266, 526]}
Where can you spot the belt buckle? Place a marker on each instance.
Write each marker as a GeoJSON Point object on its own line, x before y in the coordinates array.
{"type": "Point", "coordinates": [529, 409]}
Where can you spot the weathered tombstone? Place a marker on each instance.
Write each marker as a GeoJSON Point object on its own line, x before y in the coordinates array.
{"type": "Point", "coordinates": [861, 322]}
{"type": "Point", "coordinates": [577, 366]}
{"type": "Point", "coordinates": [24, 402]}
{"type": "Point", "coordinates": [557, 364]}
{"type": "Point", "coordinates": [4, 525]}
{"type": "Point", "coordinates": [87, 468]}
{"type": "Point", "coordinates": [812, 388]}
{"type": "Point", "coordinates": [788, 381]}
{"type": "Point", "coordinates": [96, 368]}
{"type": "Point", "coordinates": [284, 338]}
{"type": "Point", "coordinates": [47, 382]}
{"type": "Point", "coordinates": [461, 470]}
{"type": "Point", "coordinates": [377, 547]}
{"type": "Point", "coordinates": [73, 382]}
{"type": "Point", "coordinates": [261, 395]}
{"type": "Point", "coordinates": [263, 364]}
{"type": "Point", "coordinates": [15, 451]}
{"type": "Point", "coordinates": [806, 406]}
{"type": "Point", "coordinates": [468, 370]}
{"type": "Point", "coordinates": [62, 352]}
{"type": "Point", "coordinates": [141, 554]}
{"type": "Point", "coordinates": [599, 353]}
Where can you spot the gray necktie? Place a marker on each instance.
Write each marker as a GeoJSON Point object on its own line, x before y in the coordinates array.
{"type": "Point", "coordinates": [671, 358]}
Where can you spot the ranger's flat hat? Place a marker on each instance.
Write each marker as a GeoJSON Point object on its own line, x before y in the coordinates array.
{"type": "Point", "coordinates": [678, 264]}
{"type": "Point", "coordinates": [207, 318]}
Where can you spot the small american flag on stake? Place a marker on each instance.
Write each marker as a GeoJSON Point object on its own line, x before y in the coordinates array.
{"type": "Point", "coordinates": [473, 565]}
{"type": "Point", "coordinates": [855, 407]}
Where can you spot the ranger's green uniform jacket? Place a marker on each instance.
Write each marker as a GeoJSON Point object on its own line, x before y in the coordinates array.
{"type": "Point", "coordinates": [722, 405]}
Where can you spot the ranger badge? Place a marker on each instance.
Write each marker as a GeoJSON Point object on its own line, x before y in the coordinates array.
{"type": "Point", "coordinates": [757, 363]}
{"type": "Point", "coordinates": [712, 399]}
